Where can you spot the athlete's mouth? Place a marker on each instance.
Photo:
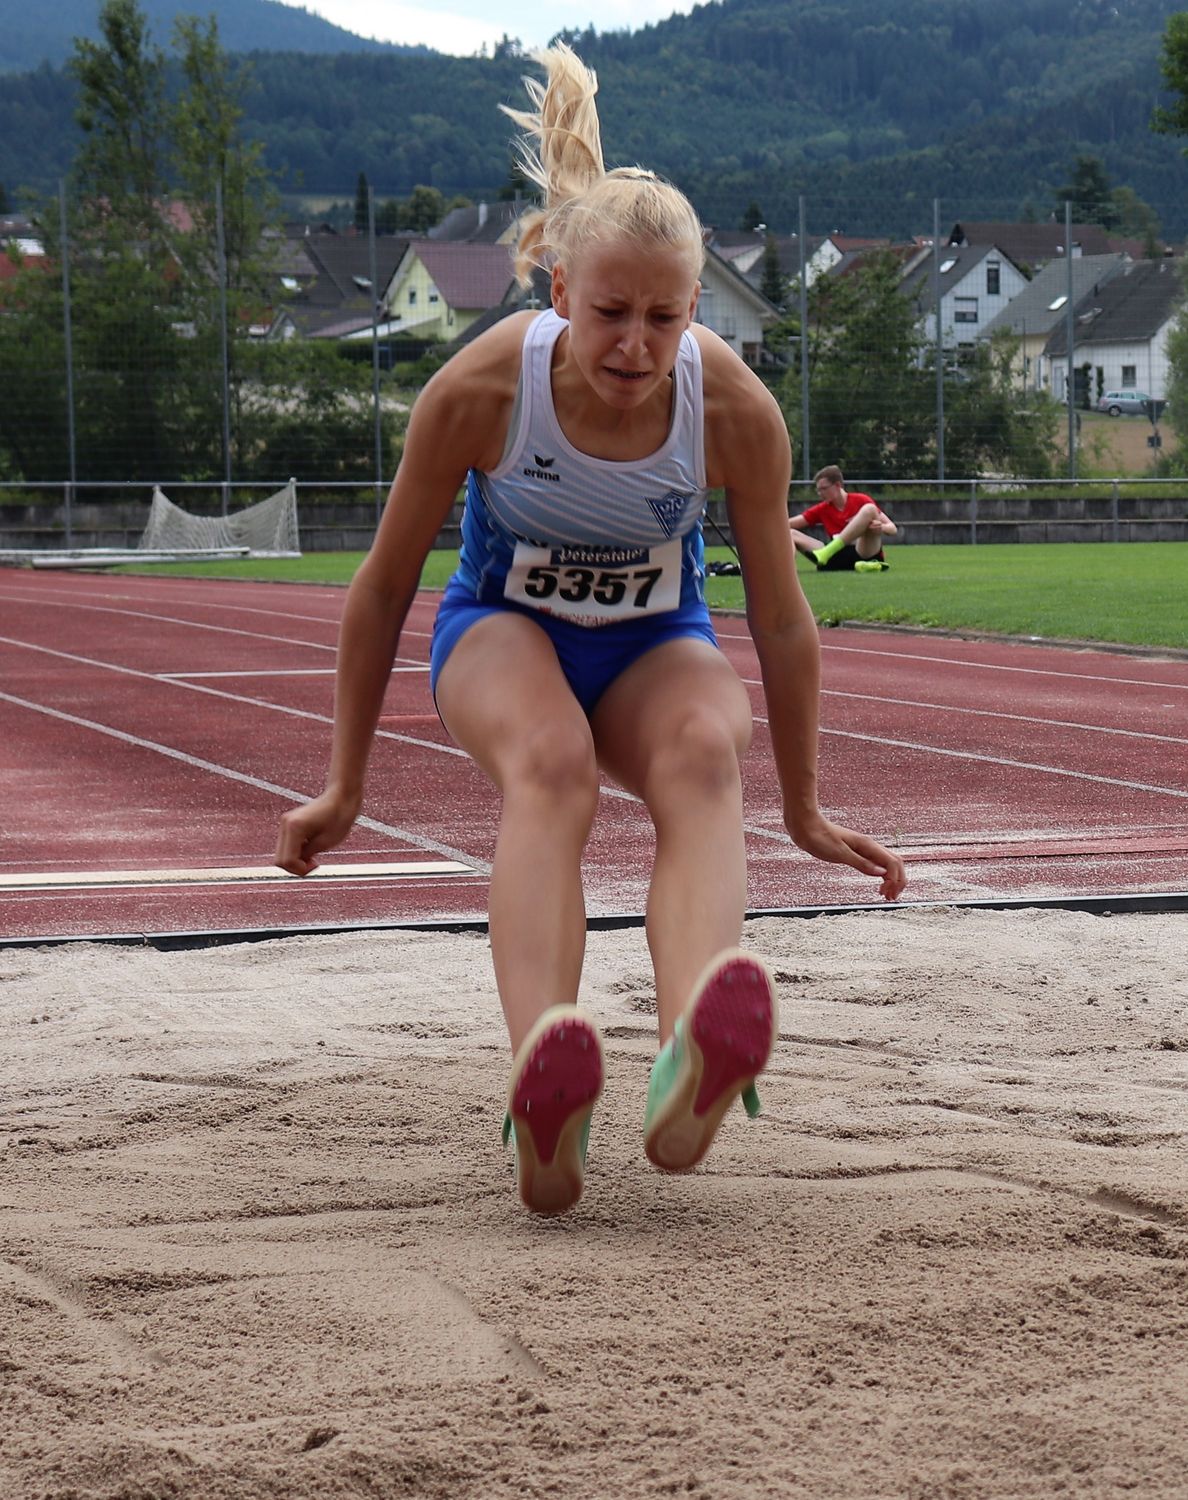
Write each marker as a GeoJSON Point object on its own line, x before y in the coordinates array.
{"type": "Point", "coordinates": [625, 374]}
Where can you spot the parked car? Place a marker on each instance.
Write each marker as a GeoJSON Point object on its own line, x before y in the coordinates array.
{"type": "Point", "coordinates": [1130, 402]}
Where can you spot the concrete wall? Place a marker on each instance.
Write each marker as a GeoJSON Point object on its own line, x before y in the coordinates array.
{"type": "Point", "coordinates": [348, 526]}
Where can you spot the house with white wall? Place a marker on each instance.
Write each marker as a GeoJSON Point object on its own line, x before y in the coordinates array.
{"type": "Point", "coordinates": [1120, 332]}
{"type": "Point", "coordinates": [735, 309]}
{"type": "Point", "coordinates": [1043, 304]}
{"type": "Point", "coordinates": [976, 282]}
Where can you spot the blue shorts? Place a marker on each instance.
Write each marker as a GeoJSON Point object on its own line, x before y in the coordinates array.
{"type": "Point", "coordinates": [590, 657]}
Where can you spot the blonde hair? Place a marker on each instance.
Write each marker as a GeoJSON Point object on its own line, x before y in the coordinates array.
{"type": "Point", "coordinates": [561, 152]}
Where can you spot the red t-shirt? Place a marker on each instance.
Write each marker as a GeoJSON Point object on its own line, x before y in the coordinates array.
{"type": "Point", "coordinates": [831, 519]}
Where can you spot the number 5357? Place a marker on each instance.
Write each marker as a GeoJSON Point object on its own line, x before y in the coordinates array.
{"type": "Point", "coordinates": [602, 585]}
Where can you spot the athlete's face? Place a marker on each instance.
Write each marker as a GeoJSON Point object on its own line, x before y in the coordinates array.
{"type": "Point", "coordinates": [627, 307]}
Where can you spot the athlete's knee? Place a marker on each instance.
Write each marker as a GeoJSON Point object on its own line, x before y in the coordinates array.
{"type": "Point", "coordinates": [700, 756]}
{"type": "Point", "coordinates": [555, 762]}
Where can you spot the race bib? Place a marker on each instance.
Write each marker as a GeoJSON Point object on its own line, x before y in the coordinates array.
{"type": "Point", "coordinates": [596, 585]}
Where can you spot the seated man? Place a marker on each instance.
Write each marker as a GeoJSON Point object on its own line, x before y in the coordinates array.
{"type": "Point", "coordinates": [854, 523]}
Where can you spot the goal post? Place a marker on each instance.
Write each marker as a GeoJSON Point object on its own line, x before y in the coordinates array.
{"type": "Point", "coordinates": [266, 529]}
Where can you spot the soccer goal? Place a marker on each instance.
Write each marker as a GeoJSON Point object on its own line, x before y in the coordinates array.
{"type": "Point", "coordinates": [267, 529]}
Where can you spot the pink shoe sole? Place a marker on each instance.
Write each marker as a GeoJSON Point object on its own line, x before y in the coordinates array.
{"type": "Point", "coordinates": [556, 1079]}
{"type": "Point", "coordinates": [729, 1029]}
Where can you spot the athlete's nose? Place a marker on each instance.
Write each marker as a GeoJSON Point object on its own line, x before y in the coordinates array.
{"type": "Point", "coordinates": [632, 341]}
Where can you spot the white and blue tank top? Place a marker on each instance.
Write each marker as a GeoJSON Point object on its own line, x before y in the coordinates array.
{"type": "Point", "coordinates": [595, 541]}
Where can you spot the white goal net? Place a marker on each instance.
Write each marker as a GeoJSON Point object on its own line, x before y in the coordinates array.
{"type": "Point", "coordinates": [267, 529]}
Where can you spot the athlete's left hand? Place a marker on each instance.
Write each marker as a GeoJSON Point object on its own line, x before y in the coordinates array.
{"type": "Point", "coordinates": [843, 846]}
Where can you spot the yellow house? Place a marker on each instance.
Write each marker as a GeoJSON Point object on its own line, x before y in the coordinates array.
{"type": "Point", "coordinates": [440, 287]}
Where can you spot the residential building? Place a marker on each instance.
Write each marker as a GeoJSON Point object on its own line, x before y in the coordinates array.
{"type": "Point", "coordinates": [976, 282]}
{"type": "Point", "coordinates": [734, 308]}
{"type": "Point", "coordinates": [440, 287]}
{"type": "Point", "coordinates": [1120, 332]}
{"type": "Point", "coordinates": [1043, 303]}
{"type": "Point", "coordinates": [1033, 245]}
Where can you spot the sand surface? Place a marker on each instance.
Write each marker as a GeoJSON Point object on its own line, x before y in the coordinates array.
{"type": "Point", "coordinates": [259, 1238]}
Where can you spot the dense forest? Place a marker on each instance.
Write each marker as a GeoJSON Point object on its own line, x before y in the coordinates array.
{"type": "Point", "coordinates": [31, 35]}
{"type": "Point", "coordinates": [867, 112]}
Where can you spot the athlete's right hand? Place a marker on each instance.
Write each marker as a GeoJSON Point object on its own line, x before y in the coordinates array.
{"type": "Point", "coordinates": [311, 829]}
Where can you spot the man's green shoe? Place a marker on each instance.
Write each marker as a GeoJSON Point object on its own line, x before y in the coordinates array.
{"type": "Point", "coordinates": [721, 1044]}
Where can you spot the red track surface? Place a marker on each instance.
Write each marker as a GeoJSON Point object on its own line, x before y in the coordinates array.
{"type": "Point", "coordinates": [152, 724]}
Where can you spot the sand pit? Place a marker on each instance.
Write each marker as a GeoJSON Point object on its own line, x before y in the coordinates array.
{"type": "Point", "coordinates": [260, 1240]}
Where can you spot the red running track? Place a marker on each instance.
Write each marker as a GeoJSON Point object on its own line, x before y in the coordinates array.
{"type": "Point", "coordinates": [155, 728]}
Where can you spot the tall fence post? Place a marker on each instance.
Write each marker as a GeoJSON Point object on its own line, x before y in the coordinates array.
{"type": "Point", "coordinates": [1070, 329]}
{"type": "Point", "coordinates": [940, 343]}
{"type": "Point", "coordinates": [973, 512]}
{"type": "Point", "coordinates": [1114, 511]}
{"type": "Point", "coordinates": [224, 347]}
{"type": "Point", "coordinates": [68, 332]}
{"type": "Point", "coordinates": [375, 373]}
{"type": "Point", "coordinates": [806, 460]}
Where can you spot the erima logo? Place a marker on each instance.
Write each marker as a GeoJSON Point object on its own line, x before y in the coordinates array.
{"type": "Point", "coordinates": [543, 465]}
{"type": "Point", "coordinates": [669, 509]}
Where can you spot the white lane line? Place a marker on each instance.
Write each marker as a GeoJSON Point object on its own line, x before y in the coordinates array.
{"type": "Point", "coordinates": [197, 687]}
{"type": "Point", "coordinates": [35, 597]}
{"type": "Point", "coordinates": [252, 635]}
{"type": "Point", "coordinates": [230, 874]}
{"type": "Point", "coordinates": [417, 840]}
{"type": "Point", "coordinates": [997, 760]}
{"type": "Point", "coordinates": [275, 672]}
{"type": "Point", "coordinates": [989, 713]}
{"type": "Point", "coordinates": [988, 666]}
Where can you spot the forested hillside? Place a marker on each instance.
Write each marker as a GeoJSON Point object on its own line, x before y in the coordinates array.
{"type": "Point", "coordinates": [868, 110]}
{"type": "Point", "coordinates": [33, 34]}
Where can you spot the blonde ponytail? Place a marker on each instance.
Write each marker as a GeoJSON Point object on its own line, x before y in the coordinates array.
{"type": "Point", "coordinates": [560, 151]}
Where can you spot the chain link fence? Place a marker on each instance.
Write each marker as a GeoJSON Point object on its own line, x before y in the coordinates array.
{"type": "Point", "coordinates": [971, 361]}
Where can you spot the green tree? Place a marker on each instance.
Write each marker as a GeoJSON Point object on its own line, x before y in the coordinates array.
{"type": "Point", "coordinates": [1177, 378]}
{"type": "Point", "coordinates": [1090, 194]}
{"type": "Point", "coordinates": [1173, 63]}
{"type": "Point", "coordinates": [872, 390]}
{"type": "Point", "coordinates": [870, 401]}
{"type": "Point", "coordinates": [752, 217]}
{"type": "Point", "coordinates": [362, 196]}
{"type": "Point", "coordinates": [773, 283]}
{"type": "Point", "coordinates": [146, 305]}
{"type": "Point", "coordinates": [424, 208]}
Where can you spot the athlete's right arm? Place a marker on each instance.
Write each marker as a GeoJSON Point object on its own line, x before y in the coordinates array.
{"type": "Point", "coordinates": [458, 422]}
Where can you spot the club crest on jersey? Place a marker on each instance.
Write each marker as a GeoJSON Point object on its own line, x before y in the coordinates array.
{"type": "Point", "coordinates": [543, 469]}
{"type": "Point", "coordinates": [669, 509]}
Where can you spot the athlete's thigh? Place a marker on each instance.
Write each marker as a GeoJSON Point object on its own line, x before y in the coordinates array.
{"type": "Point", "coordinates": [646, 708]}
{"type": "Point", "coordinates": [501, 688]}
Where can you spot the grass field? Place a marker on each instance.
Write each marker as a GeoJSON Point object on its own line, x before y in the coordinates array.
{"type": "Point", "coordinates": [1131, 593]}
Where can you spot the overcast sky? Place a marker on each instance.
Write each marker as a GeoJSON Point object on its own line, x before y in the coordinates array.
{"type": "Point", "coordinates": [462, 26]}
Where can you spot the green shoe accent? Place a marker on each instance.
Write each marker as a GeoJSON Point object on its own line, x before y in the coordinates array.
{"type": "Point", "coordinates": [871, 566]}
{"type": "Point", "coordinates": [507, 1134]}
{"type": "Point", "coordinates": [730, 1022]}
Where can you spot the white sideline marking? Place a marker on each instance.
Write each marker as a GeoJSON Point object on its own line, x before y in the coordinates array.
{"type": "Point", "coordinates": [59, 879]}
{"type": "Point", "coordinates": [418, 840]}
{"type": "Point", "coordinates": [71, 597]}
{"type": "Point", "coordinates": [197, 687]}
{"type": "Point", "coordinates": [998, 760]}
{"type": "Point", "coordinates": [276, 672]}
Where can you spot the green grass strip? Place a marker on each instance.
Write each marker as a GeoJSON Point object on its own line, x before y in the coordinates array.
{"type": "Point", "coordinates": [1127, 593]}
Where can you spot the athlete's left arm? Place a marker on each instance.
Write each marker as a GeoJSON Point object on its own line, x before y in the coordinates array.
{"type": "Point", "coordinates": [748, 454]}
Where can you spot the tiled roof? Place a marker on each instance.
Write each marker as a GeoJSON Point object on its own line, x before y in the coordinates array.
{"type": "Point", "coordinates": [1132, 307]}
{"type": "Point", "coordinates": [1031, 244]}
{"type": "Point", "coordinates": [1032, 310]}
{"type": "Point", "coordinates": [467, 275]}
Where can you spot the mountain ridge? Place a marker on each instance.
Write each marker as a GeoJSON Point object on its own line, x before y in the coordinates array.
{"type": "Point", "coordinates": [870, 116]}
